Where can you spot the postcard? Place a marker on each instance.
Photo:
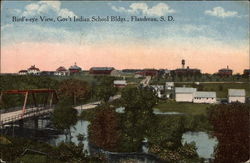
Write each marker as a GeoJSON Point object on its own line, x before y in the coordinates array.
{"type": "Point", "coordinates": [124, 81]}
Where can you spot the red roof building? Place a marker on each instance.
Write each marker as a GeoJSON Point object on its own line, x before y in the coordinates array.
{"type": "Point", "coordinates": [22, 72]}
{"type": "Point", "coordinates": [246, 72]}
{"type": "Point", "coordinates": [148, 72]}
{"type": "Point", "coordinates": [225, 72]}
{"type": "Point", "coordinates": [101, 70]}
{"type": "Point", "coordinates": [75, 69]}
{"type": "Point", "coordinates": [61, 71]}
{"type": "Point", "coordinates": [61, 68]}
{"type": "Point", "coordinates": [33, 70]}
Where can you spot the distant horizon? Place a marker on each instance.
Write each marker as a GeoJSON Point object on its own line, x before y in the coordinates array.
{"type": "Point", "coordinates": [209, 35]}
{"type": "Point", "coordinates": [87, 69]}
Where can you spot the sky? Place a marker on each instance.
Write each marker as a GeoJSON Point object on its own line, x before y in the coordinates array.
{"type": "Point", "coordinates": [209, 35]}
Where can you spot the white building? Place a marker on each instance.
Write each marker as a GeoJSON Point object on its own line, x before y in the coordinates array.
{"type": "Point", "coordinates": [204, 97]}
{"type": "Point", "coordinates": [159, 89]}
{"type": "Point", "coordinates": [33, 70]}
{"type": "Point", "coordinates": [169, 85]}
{"type": "Point", "coordinates": [236, 95]}
{"type": "Point", "coordinates": [120, 83]}
{"type": "Point", "coordinates": [23, 72]}
{"type": "Point", "coordinates": [61, 71]}
{"type": "Point", "coordinates": [184, 94]}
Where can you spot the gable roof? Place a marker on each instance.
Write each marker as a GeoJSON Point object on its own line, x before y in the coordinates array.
{"type": "Point", "coordinates": [185, 90]}
{"type": "Point", "coordinates": [102, 68]}
{"type": "Point", "coordinates": [237, 92]}
{"type": "Point", "coordinates": [205, 94]}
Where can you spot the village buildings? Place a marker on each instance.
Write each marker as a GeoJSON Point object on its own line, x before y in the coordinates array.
{"type": "Point", "coordinates": [204, 97]}
{"type": "Point", "coordinates": [33, 70]}
{"type": "Point", "coordinates": [236, 95]}
{"type": "Point", "coordinates": [225, 72]}
{"type": "Point", "coordinates": [184, 94]}
{"type": "Point", "coordinates": [75, 69]}
{"type": "Point", "coordinates": [101, 70]}
{"type": "Point", "coordinates": [61, 71]}
{"type": "Point", "coordinates": [23, 72]}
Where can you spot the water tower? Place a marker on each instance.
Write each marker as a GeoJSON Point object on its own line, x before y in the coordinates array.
{"type": "Point", "coordinates": [183, 63]}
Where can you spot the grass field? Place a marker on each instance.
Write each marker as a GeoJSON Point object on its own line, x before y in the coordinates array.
{"type": "Point", "coordinates": [188, 108]}
{"type": "Point", "coordinates": [221, 89]}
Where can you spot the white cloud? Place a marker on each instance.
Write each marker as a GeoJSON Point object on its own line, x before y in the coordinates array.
{"type": "Point", "coordinates": [220, 12]}
{"type": "Point", "coordinates": [159, 9]}
{"type": "Point", "coordinates": [43, 7]}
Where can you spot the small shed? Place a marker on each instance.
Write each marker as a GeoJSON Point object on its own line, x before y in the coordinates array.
{"type": "Point", "coordinates": [120, 83]}
{"type": "Point", "coordinates": [236, 95]}
{"type": "Point", "coordinates": [204, 97]}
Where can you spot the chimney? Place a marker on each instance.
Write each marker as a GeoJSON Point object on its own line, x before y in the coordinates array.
{"type": "Point", "coordinates": [227, 67]}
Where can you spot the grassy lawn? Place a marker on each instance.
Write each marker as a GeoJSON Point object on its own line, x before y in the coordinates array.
{"type": "Point", "coordinates": [221, 89]}
{"type": "Point", "coordinates": [223, 93]}
{"type": "Point", "coordinates": [188, 108]}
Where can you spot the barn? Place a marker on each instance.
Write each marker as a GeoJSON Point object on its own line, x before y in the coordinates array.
{"type": "Point", "coordinates": [204, 97]}
{"type": "Point", "coordinates": [101, 70]}
{"type": "Point", "coordinates": [236, 95]}
{"type": "Point", "coordinates": [184, 94]}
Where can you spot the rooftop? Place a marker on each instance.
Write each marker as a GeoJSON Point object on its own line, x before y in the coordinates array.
{"type": "Point", "coordinates": [237, 92]}
{"type": "Point", "coordinates": [102, 68]}
{"type": "Point", "coordinates": [75, 67]}
{"type": "Point", "coordinates": [120, 82]}
{"type": "Point", "coordinates": [61, 68]}
{"type": "Point", "coordinates": [33, 67]}
{"type": "Point", "coordinates": [184, 90]}
{"type": "Point", "coordinates": [205, 94]}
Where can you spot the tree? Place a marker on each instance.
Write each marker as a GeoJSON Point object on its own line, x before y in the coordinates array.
{"type": "Point", "coordinates": [104, 129]}
{"type": "Point", "coordinates": [138, 98]}
{"type": "Point", "coordinates": [69, 152]}
{"type": "Point", "coordinates": [64, 116]}
{"type": "Point", "coordinates": [231, 127]}
{"type": "Point", "coordinates": [138, 116]}
{"type": "Point", "coordinates": [73, 88]}
{"type": "Point", "coordinates": [106, 89]}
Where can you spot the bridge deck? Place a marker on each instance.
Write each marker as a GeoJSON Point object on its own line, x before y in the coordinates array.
{"type": "Point", "coordinates": [13, 116]}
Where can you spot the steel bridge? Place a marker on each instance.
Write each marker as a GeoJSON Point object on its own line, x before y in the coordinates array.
{"type": "Point", "coordinates": [16, 114]}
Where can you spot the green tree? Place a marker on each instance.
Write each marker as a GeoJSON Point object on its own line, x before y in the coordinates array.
{"type": "Point", "coordinates": [64, 116]}
{"type": "Point", "coordinates": [104, 129]}
{"type": "Point", "coordinates": [69, 152]}
{"type": "Point", "coordinates": [138, 98]}
{"type": "Point", "coordinates": [73, 88]}
{"type": "Point", "coordinates": [138, 117]}
{"type": "Point", "coordinates": [106, 89]}
{"type": "Point", "coordinates": [231, 125]}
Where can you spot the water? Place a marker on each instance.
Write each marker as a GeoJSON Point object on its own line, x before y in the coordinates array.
{"type": "Point", "coordinates": [155, 111]}
{"type": "Point", "coordinates": [81, 127]}
{"type": "Point", "coordinates": [205, 144]}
